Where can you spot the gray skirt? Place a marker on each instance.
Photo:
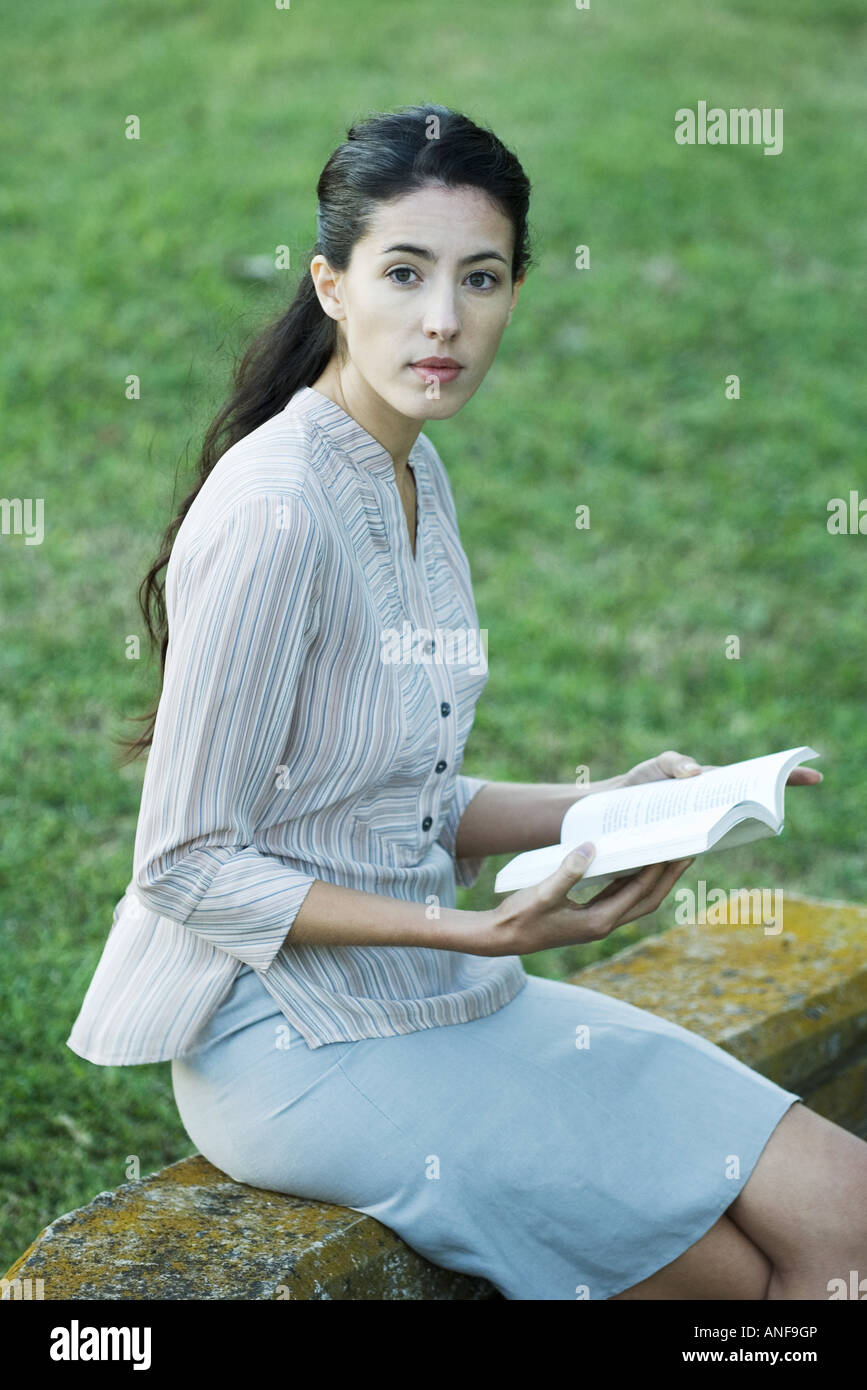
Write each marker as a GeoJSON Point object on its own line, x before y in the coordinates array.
{"type": "Point", "coordinates": [567, 1146]}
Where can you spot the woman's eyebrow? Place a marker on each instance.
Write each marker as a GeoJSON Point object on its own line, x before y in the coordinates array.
{"type": "Point", "coordinates": [427, 255]}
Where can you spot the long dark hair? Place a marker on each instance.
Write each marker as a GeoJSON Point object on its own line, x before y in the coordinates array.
{"type": "Point", "coordinates": [383, 157]}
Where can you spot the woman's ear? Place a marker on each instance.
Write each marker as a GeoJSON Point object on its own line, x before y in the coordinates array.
{"type": "Point", "coordinates": [516, 287]}
{"type": "Point", "coordinates": [327, 284]}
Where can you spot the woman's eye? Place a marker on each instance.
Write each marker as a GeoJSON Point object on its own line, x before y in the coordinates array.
{"type": "Point", "coordinates": [399, 270]}
{"type": "Point", "coordinates": [408, 270]}
{"type": "Point", "coordinates": [490, 273]}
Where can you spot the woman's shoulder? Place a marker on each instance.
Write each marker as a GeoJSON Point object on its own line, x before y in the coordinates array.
{"type": "Point", "coordinates": [270, 466]}
{"type": "Point", "coordinates": [273, 458]}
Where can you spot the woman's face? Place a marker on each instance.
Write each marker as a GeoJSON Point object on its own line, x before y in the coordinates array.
{"type": "Point", "coordinates": [431, 279]}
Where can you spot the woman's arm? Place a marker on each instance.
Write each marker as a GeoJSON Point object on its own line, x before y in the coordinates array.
{"type": "Point", "coordinates": [533, 919]}
{"type": "Point", "coordinates": [510, 817]}
{"type": "Point", "coordinates": [332, 915]}
{"type": "Point", "coordinates": [501, 817]}
{"type": "Point", "coordinates": [243, 611]}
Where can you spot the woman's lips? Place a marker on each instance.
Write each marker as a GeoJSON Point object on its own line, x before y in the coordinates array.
{"type": "Point", "coordinates": [441, 373]}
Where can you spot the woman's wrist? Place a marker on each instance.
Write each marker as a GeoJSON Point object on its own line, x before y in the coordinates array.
{"type": "Point", "coordinates": [470, 932]}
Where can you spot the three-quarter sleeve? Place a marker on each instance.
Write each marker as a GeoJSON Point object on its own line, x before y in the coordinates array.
{"type": "Point", "coordinates": [242, 616]}
{"type": "Point", "coordinates": [466, 870]}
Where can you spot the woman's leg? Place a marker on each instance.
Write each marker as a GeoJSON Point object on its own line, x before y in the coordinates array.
{"type": "Point", "coordinates": [799, 1221]}
{"type": "Point", "coordinates": [805, 1205]}
{"type": "Point", "coordinates": [723, 1264]}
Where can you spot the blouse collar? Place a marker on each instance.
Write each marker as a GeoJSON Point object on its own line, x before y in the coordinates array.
{"type": "Point", "coordinates": [346, 432]}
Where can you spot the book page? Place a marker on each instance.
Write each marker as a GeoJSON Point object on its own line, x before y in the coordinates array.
{"type": "Point", "coordinates": [645, 805]}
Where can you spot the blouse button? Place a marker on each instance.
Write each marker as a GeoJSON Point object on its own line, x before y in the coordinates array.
{"type": "Point", "coordinates": [441, 765]}
{"type": "Point", "coordinates": [427, 823]}
{"type": "Point", "coordinates": [445, 708]}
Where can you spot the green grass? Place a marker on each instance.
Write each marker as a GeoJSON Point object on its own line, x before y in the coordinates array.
{"type": "Point", "coordinates": [606, 645]}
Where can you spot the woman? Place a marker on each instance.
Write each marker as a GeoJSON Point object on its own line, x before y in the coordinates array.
{"type": "Point", "coordinates": [337, 1028]}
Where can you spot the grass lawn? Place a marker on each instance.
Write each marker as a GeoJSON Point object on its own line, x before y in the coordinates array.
{"type": "Point", "coordinates": [606, 645]}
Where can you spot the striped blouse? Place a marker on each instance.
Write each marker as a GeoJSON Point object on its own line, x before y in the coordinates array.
{"type": "Point", "coordinates": [320, 686]}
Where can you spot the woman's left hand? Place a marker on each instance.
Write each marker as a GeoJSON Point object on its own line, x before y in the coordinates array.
{"type": "Point", "coordinates": [671, 764]}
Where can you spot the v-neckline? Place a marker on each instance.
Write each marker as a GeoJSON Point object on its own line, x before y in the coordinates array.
{"type": "Point", "coordinates": [412, 538]}
{"type": "Point", "coordinates": [372, 457]}
{"type": "Point", "coordinates": [416, 557]}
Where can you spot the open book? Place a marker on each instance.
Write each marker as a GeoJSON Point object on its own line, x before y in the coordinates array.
{"type": "Point", "coordinates": [655, 822]}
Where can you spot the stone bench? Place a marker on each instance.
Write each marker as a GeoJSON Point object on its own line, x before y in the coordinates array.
{"type": "Point", "coordinates": [792, 1006]}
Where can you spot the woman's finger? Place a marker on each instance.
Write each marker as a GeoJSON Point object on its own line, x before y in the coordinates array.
{"type": "Point", "coordinates": [651, 901]}
{"type": "Point", "coordinates": [613, 887]}
{"type": "Point", "coordinates": [667, 764]}
{"type": "Point", "coordinates": [626, 894]}
{"type": "Point", "coordinates": [672, 764]}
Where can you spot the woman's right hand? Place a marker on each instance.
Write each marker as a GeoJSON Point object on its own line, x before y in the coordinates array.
{"type": "Point", "coordinates": [541, 917]}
